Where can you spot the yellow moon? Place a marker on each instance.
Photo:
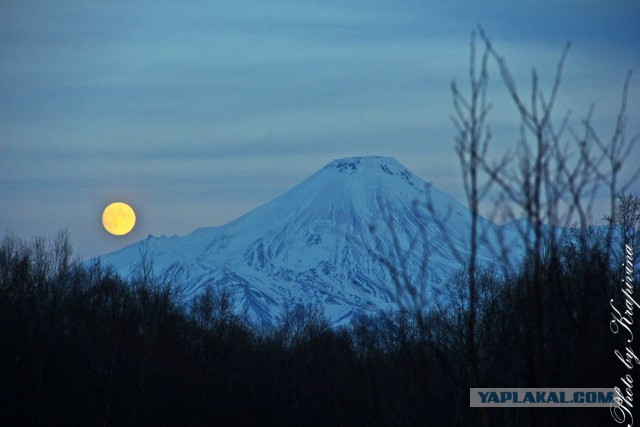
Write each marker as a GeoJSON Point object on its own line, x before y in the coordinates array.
{"type": "Point", "coordinates": [118, 218]}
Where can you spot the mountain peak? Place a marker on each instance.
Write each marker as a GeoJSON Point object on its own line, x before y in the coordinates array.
{"type": "Point", "coordinates": [351, 165]}
{"type": "Point", "coordinates": [376, 172]}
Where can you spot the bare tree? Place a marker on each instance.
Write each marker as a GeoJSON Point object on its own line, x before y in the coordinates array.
{"type": "Point", "coordinates": [553, 178]}
{"type": "Point", "coordinates": [471, 145]}
{"type": "Point", "coordinates": [627, 225]}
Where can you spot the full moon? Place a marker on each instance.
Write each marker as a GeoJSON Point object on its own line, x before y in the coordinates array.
{"type": "Point", "coordinates": [118, 218]}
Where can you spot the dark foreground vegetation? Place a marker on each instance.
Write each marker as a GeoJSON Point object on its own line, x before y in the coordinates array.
{"type": "Point", "coordinates": [81, 346]}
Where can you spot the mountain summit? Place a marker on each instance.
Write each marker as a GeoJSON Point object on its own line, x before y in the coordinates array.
{"type": "Point", "coordinates": [323, 242]}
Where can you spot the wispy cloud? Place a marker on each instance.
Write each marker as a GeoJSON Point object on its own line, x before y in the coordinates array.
{"type": "Point", "coordinates": [176, 104]}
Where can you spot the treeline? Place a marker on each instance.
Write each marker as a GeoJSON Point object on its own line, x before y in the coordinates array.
{"type": "Point", "coordinates": [82, 346]}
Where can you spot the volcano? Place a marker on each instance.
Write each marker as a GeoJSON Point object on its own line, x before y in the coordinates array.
{"type": "Point", "coordinates": [340, 240]}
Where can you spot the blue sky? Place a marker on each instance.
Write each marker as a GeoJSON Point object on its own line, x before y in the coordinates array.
{"type": "Point", "coordinates": [196, 112]}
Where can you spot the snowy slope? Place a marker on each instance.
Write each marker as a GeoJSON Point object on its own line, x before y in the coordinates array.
{"type": "Point", "coordinates": [320, 243]}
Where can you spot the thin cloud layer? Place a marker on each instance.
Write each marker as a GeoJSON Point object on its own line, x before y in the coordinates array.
{"type": "Point", "coordinates": [198, 113]}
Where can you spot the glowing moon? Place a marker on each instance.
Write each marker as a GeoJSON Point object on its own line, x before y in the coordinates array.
{"type": "Point", "coordinates": [118, 218]}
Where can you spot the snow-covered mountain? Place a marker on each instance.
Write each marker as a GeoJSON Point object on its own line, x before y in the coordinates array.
{"type": "Point", "coordinates": [323, 242]}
